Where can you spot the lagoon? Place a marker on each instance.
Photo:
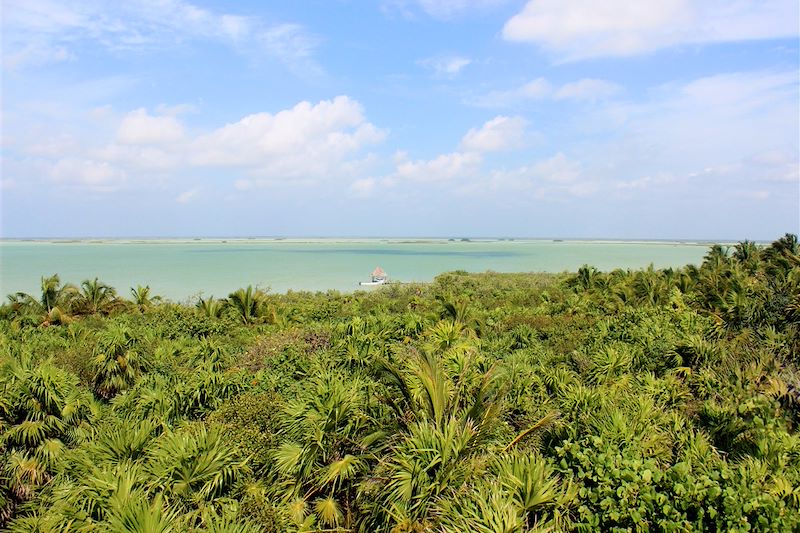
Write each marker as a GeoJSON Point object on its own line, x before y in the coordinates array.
{"type": "Point", "coordinates": [182, 269]}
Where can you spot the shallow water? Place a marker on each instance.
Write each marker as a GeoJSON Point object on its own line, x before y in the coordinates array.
{"type": "Point", "coordinates": [179, 269]}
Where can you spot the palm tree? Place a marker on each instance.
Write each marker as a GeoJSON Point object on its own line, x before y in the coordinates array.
{"type": "Point", "coordinates": [787, 243]}
{"type": "Point", "coordinates": [43, 411]}
{"type": "Point", "coordinates": [330, 441]}
{"type": "Point", "coordinates": [52, 307]}
{"type": "Point", "coordinates": [446, 335]}
{"type": "Point", "coordinates": [650, 286]}
{"type": "Point", "coordinates": [197, 465]}
{"type": "Point", "coordinates": [460, 311]}
{"type": "Point", "coordinates": [53, 292]}
{"type": "Point", "coordinates": [429, 391]}
{"type": "Point", "coordinates": [116, 361]}
{"type": "Point", "coordinates": [247, 303]}
{"type": "Point", "coordinates": [142, 298]}
{"type": "Point", "coordinates": [748, 254]}
{"type": "Point", "coordinates": [717, 256]}
{"type": "Point", "coordinates": [782, 255]}
{"type": "Point", "coordinates": [96, 296]}
{"type": "Point", "coordinates": [524, 494]}
{"type": "Point", "coordinates": [587, 277]}
{"type": "Point", "coordinates": [210, 307]}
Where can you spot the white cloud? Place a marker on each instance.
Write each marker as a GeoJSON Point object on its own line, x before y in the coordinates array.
{"type": "Point", "coordinates": [578, 29]}
{"type": "Point", "coordinates": [363, 187]}
{"type": "Point", "coordinates": [557, 169]}
{"type": "Point", "coordinates": [645, 182]}
{"type": "Point", "coordinates": [586, 89]}
{"type": "Point", "coordinates": [140, 159]}
{"type": "Point", "coordinates": [445, 66]}
{"type": "Point", "coordinates": [308, 141]}
{"type": "Point", "coordinates": [552, 178]}
{"type": "Point", "coordinates": [138, 127]}
{"type": "Point", "coordinates": [36, 54]}
{"type": "Point", "coordinates": [775, 165]}
{"type": "Point", "coordinates": [187, 196]}
{"type": "Point", "coordinates": [42, 31]}
{"type": "Point", "coordinates": [445, 167]}
{"type": "Point", "coordinates": [87, 173]}
{"type": "Point", "coordinates": [708, 122]}
{"type": "Point", "coordinates": [293, 45]}
{"type": "Point", "coordinates": [498, 134]}
{"type": "Point", "coordinates": [702, 139]}
{"type": "Point", "coordinates": [752, 195]}
{"type": "Point", "coordinates": [463, 169]}
{"type": "Point", "coordinates": [537, 89]}
{"type": "Point", "coordinates": [441, 9]}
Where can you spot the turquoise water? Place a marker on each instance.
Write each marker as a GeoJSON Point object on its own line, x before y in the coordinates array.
{"type": "Point", "coordinates": [182, 269]}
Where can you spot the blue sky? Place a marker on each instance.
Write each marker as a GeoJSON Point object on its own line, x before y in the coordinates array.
{"type": "Point", "coordinates": [546, 118]}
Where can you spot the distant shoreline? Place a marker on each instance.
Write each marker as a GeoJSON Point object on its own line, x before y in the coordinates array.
{"type": "Point", "coordinates": [356, 240]}
{"type": "Point", "coordinates": [174, 268]}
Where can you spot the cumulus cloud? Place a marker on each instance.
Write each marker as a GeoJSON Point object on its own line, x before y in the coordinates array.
{"type": "Point", "coordinates": [306, 141]}
{"type": "Point", "coordinates": [501, 133]}
{"type": "Point", "coordinates": [498, 134]}
{"type": "Point", "coordinates": [554, 177]}
{"type": "Point", "coordinates": [444, 167]}
{"type": "Point", "coordinates": [139, 127]}
{"type": "Point", "coordinates": [579, 29]}
{"type": "Point", "coordinates": [703, 138]}
{"type": "Point", "coordinates": [557, 169]}
{"type": "Point", "coordinates": [87, 173]}
{"type": "Point", "coordinates": [364, 186]}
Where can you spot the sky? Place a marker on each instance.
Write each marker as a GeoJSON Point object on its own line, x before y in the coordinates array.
{"type": "Point", "coordinates": [431, 118]}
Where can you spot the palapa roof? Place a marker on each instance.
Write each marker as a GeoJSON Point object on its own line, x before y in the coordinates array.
{"type": "Point", "coordinates": [378, 273]}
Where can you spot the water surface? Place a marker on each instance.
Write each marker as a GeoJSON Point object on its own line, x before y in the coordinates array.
{"type": "Point", "coordinates": [179, 269]}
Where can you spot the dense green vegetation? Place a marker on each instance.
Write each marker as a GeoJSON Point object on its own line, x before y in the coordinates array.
{"type": "Point", "coordinates": [663, 400]}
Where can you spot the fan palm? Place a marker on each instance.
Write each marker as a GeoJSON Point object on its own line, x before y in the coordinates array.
{"type": "Point", "coordinates": [44, 410]}
{"type": "Point", "coordinates": [193, 465]}
{"type": "Point", "coordinates": [210, 307]}
{"type": "Point", "coordinates": [137, 515]}
{"type": "Point", "coordinates": [428, 392]}
{"type": "Point", "coordinates": [116, 361]}
{"type": "Point", "coordinates": [247, 303]}
{"type": "Point", "coordinates": [330, 443]}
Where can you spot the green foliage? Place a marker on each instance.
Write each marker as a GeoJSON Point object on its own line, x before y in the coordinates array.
{"type": "Point", "coordinates": [117, 362]}
{"type": "Point", "coordinates": [649, 400]}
